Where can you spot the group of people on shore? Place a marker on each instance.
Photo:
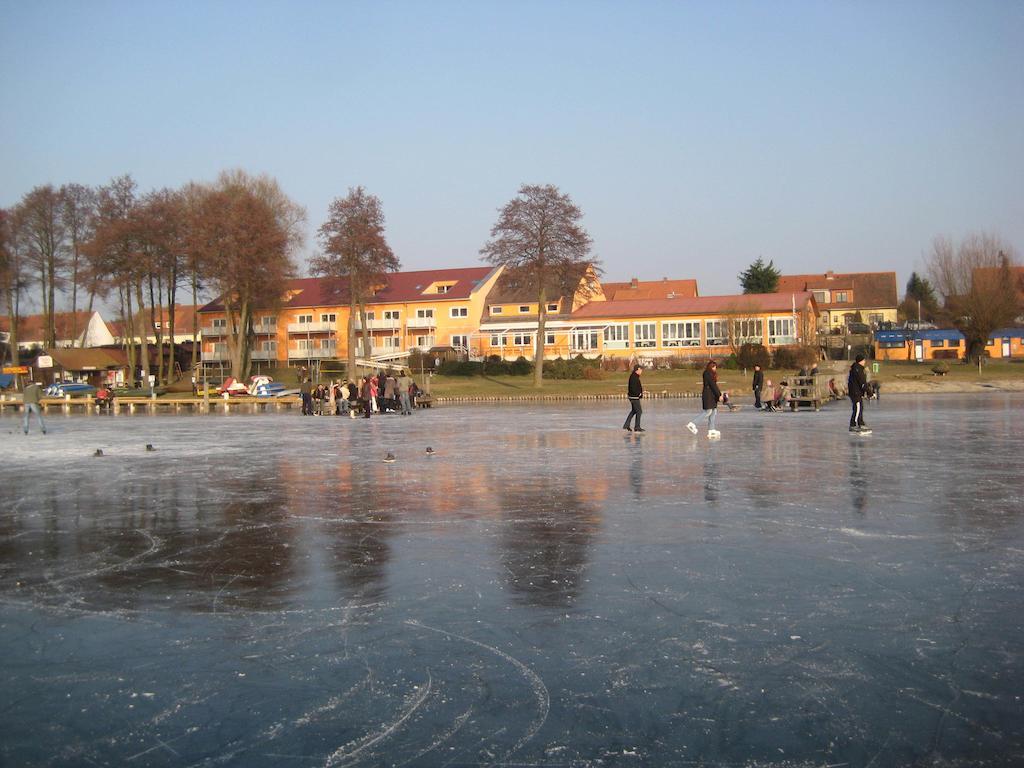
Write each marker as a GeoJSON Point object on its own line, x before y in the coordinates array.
{"type": "Point", "coordinates": [858, 389]}
{"type": "Point", "coordinates": [376, 393]}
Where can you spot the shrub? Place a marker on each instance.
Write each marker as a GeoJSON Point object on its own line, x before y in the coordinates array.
{"type": "Point", "coordinates": [460, 368]}
{"type": "Point", "coordinates": [521, 367]}
{"type": "Point", "coordinates": [730, 363]}
{"type": "Point", "coordinates": [593, 374]}
{"type": "Point", "coordinates": [941, 368]}
{"type": "Point", "coordinates": [753, 354]}
{"type": "Point", "coordinates": [794, 356]}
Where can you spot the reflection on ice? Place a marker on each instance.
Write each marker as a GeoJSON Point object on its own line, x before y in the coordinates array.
{"type": "Point", "coordinates": [545, 589]}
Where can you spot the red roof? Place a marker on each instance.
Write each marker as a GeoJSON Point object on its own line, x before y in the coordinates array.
{"type": "Point", "coordinates": [401, 287]}
{"type": "Point", "coordinates": [650, 289]}
{"type": "Point", "coordinates": [699, 305]}
{"type": "Point", "coordinates": [30, 327]}
{"type": "Point", "coordinates": [869, 289]}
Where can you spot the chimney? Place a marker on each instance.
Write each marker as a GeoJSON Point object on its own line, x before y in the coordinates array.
{"type": "Point", "coordinates": [830, 275]}
{"type": "Point", "coordinates": [634, 283]}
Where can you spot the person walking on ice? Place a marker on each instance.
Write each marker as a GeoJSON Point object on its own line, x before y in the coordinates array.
{"type": "Point", "coordinates": [758, 384]}
{"type": "Point", "coordinates": [635, 391]}
{"type": "Point", "coordinates": [857, 389]}
{"type": "Point", "coordinates": [30, 398]}
{"type": "Point", "coordinates": [710, 397]}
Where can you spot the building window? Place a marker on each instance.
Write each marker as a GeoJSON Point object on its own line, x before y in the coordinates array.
{"type": "Point", "coordinates": [821, 297]}
{"type": "Point", "coordinates": [460, 342]}
{"type": "Point", "coordinates": [328, 318]}
{"type": "Point", "coordinates": [425, 341]}
{"type": "Point", "coordinates": [937, 343]}
{"type": "Point", "coordinates": [496, 310]}
{"type": "Point", "coordinates": [522, 339]}
{"type": "Point", "coordinates": [549, 338]}
{"type": "Point", "coordinates": [443, 288]}
{"type": "Point", "coordinates": [392, 314]}
{"type": "Point", "coordinates": [681, 334]}
{"type": "Point", "coordinates": [304, 319]}
{"type": "Point", "coordinates": [524, 309]}
{"type": "Point", "coordinates": [305, 344]}
{"type": "Point", "coordinates": [553, 307]}
{"type": "Point", "coordinates": [220, 322]}
{"type": "Point", "coordinates": [584, 341]}
{"type": "Point", "coordinates": [953, 343]}
{"type": "Point", "coordinates": [498, 340]}
{"type": "Point", "coordinates": [392, 342]}
{"type": "Point", "coordinates": [269, 346]}
{"type": "Point", "coordinates": [616, 336]}
{"type": "Point", "coordinates": [220, 350]}
{"type": "Point", "coordinates": [842, 297]}
{"type": "Point", "coordinates": [459, 312]}
{"type": "Point", "coordinates": [717, 333]}
{"type": "Point", "coordinates": [327, 345]}
{"type": "Point", "coordinates": [781, 330]}
{"type": "Point", "coordinates": [425, 314]}
{"type": "Point", "coordinates": [748, 330]}
{"type": "Point", "coordinates": [645, 335]}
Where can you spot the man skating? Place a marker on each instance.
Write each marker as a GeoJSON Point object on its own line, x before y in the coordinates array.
{"type": "Point", "coordinates": [857, 388]}
{"type": "Point", "coordinates": [33, 392]}
{"type": "Point", "coordinates": [758, 385]}
{"type": "Point", "coordinates": [635, 391]}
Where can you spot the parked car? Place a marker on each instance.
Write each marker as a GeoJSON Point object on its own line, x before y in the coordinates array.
{"type": "Point", "coordinates": [855, 328]}
{"type": "Point", "coordinates": [917, 325]}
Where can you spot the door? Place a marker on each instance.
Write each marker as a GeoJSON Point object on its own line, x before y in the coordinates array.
{"type": "Point", "coordinates": [1006, 347]}
{"type": "Point", "coordinates": [918, 351]}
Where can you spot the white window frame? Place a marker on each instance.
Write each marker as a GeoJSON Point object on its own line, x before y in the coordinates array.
{"type": "Point", "coordinates": [524, 309]}
{"type": "Point", "coordinates": [328, 317]}
{"type": "Point", "coordinates": [392, 342]}
{"type": "Point", "coordinates": [716, 332]}
{"type": "Point", "coordinates": [392, 314]}
{"type": "Point", "coordinates": [220, 322]}
{"type": "Point", "coordinates": [552, 306]}
{"type": "Point", "coordinates": [460, 340]}
{"type": "Point", "coordinates": [749, 330]}
{"type": "Point", "coordinates": [549, 339]}
{"type": "Point", "coordinates": [680, 333]}
{"type": "Point", "coordinates": [458, 312]}
{"type": "Point", "coordinates": [616, 336]}
{"type": "Point", "coordinates": [425, 314]}
{"type": "Point", "coordinates": [522, 340]}
{"type": "Point", "coordinates": [497, 310]}
{"type": "Point", "coordinates": [781, 330]}
{"type": "Point", "coordinates": [645, 334]}
{"type": "Point", "coordinates": [499, 340]}
{"type": "Point", "coordinates": [424, 341]}
{"type": "Point", "coordinates": [443, 288]}
{"type": "Point", "coordinates": [584, 340]}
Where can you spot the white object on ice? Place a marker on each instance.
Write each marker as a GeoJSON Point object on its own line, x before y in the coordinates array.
{"type": "Point", "coordinates": [714, 434]}
{"type": "Point", "coordinates": [692, 427]}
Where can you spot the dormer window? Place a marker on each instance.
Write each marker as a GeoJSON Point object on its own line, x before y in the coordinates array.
{"type": "Point", "coordinates": [443, 288]}
{"type": "Point", "coordinates": [553, 307]}
{"type": "Point", "coordinates": [496, 310]}
{"type": "Point", "coordinates": [842, 296]}
{"type": "Point", "coordinates": [524, 309]}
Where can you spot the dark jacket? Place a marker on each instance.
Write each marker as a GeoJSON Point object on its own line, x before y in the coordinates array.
{"type": "Point", "coordinates": [709, 397]}
{"type": "Point", "coordinates": [857, 383]}
{"type": "Point", "coordinates": [636, 389]}
{"type": "Point", "coordinates": [758, 379]}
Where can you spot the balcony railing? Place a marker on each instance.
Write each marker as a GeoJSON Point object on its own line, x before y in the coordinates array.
{"type": "Point", "coordinates": [215, 330]}
{"type": "Point", "coordinates": [265, 329]}
{"type": "Point", "coordinates": [421, 322]}
{"type": "Point", "coordinates": [379, 325]}
{"type": "Point", "coordinates": [312, 327]}
{"type": "Point", "coordinates": [312, 354]}
{"type": "Point", "coordinates": [215, 357]}
{"type": "Point", "coordinates": [264, 354]}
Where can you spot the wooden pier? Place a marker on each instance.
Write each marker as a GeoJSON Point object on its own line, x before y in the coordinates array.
{"type": "Point", "coordinates": [162, 405]}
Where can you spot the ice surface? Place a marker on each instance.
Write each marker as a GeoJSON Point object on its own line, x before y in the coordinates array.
{"type": "Point", "coordinates": [546, 590]}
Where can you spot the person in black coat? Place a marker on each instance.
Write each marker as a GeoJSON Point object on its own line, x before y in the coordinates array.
{"type": "Point", "coordinates": [857, 389]}
{"type": "Point", "coordinates": [710, 397]}
{"type": "Point", "coordinates": [758, 385]}
{"type": "Point", "coordinates": [635, 392]}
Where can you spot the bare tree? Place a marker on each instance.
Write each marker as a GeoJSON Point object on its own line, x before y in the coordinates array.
{"type": "Point", "coordinates": [355, 249]}
{"type": "Point", "coordinates": [539, 241]}
{"type": "Point", "coordinates": [243, 247]}
{"type": "Point", "coordinates": [41, 225]}
{"type": "Point", "coordinates": [78, 214]}
{"type": "Point", "coordinates": [975, 281]}
{"type": "Point", "coordinates": [12, 279]}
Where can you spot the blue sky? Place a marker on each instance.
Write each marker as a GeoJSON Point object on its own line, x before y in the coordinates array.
{"type": "Point", "coordinates": [694, 136]}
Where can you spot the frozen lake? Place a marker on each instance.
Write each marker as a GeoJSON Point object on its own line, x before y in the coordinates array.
{"type": "Point", "coordinates": [545, 590]}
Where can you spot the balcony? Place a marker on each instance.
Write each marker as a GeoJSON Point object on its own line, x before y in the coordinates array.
{"type": "Point", "coordinates": [379, 325]}
{"type": "Point", "coordinates": [263, 354]}
{"type": "Point", "coordinates": [218, 356]}
{"type": "Point", "coordinates": [421, 322]}
{"type": "Point", "coordinates": [214, 330]}
{"type": "Point", "coordinates": [265, 329]}
{"type": "Point", "coordinates": [312, 354]}
{"type": "Point", "coordinates": [312, 327]}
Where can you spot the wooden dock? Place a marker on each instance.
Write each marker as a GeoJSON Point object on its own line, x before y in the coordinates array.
{"type": "Point", "coordinates": [162, 405]}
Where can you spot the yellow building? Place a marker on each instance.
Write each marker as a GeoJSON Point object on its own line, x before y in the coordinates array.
{"type": "Point", "coordinates": [649, 329]}
{"type": "Point", "coordinates": [410, 310]}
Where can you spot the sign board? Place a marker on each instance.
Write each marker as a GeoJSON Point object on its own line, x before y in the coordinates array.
{"type": "Point", "coordinates": [16, 369]}
{"type": "Point", "coordinates": [44, 361]}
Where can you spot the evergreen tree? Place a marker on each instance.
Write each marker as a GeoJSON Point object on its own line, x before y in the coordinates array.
{"type": "Point", "coordinates": [760, 277]}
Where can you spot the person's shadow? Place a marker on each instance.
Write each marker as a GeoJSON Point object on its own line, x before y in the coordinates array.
{"type": "Point", "coordinates": [858, 478]}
